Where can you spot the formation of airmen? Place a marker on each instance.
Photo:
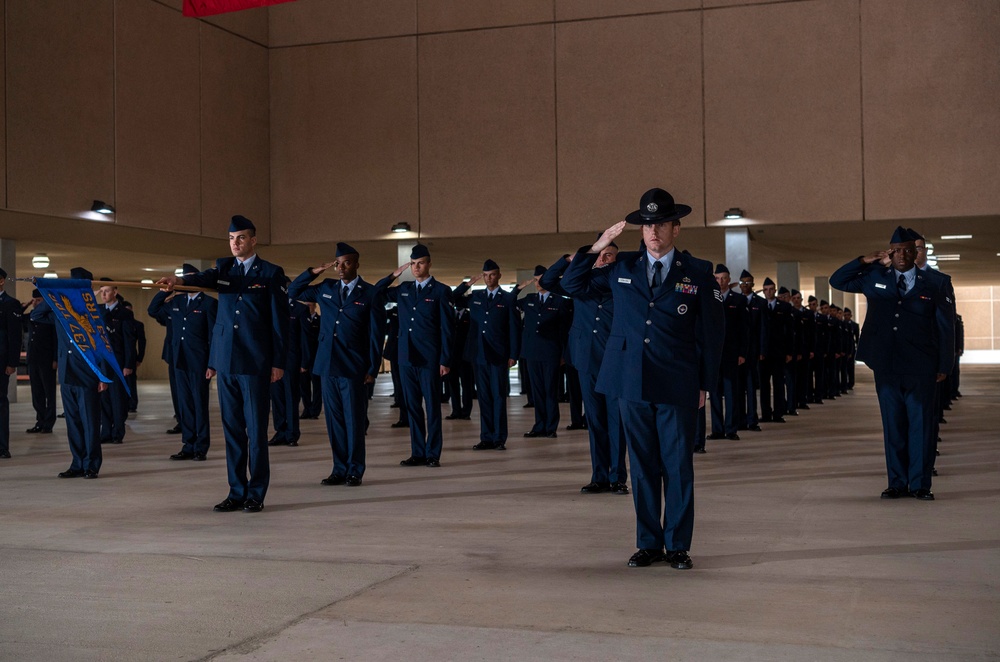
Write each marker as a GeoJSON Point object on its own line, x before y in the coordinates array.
{"type": "Point", "coordinates": [637, 338]}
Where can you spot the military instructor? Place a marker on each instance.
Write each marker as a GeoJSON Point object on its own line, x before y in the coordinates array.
{"type": "Point", "coordinates": [662, 357]}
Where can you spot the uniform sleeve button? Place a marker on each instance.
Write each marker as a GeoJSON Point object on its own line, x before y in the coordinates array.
{"type": "Point", "coordinates": [646, 341]}
{"type": "Point", "coordinates": [236, 326]}
{"type": "Point", "coordinates": [648, 322]}
{"type": "Point", "coordinates": [651, 304]}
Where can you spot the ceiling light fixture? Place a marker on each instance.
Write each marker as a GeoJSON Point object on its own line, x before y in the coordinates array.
{"type": "Point", "coordinates": [953, 257]}
{"type": "Point", "coordinates": [40, 261]}
{"type": "Point", "coordinates": [146, 281]}
{"type": "Point", "coordinates": [400, 227]}
{"type": "Point", "coordinates": [50, 274]}
{"type": "Point", "coordinates": [733, 213]}
{"type": "Point", "coordinates": [946, 237]}
{"type": "Point", "coordinates": [102, 207]}
{"type": "Point", "coordinates": [179, 272]}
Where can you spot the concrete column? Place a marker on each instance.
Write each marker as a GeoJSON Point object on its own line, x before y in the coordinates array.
{"type": "Point", "coordinates": [788, 275]}
{"type": "Point", "coordinates": [822, 288]}
{"type": "Point", "coordinates": [836, 297]}
{"type": "Point", "coordinates": [8, 260]}
{"type": "Point", "coordinates": [737, 251]}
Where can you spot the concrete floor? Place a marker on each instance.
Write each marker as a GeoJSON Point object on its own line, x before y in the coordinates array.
{"type": "Point", "coordinates": [497, 556]}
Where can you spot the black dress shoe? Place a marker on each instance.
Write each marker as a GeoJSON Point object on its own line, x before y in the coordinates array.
{"type": "Point", "coordinates": [765, 419]}
{"type": "Point", "coordinates": [62, 415]}
{"type": "Point", "coordinates": [528, 405]}
{"type": "Point", "coordinates": [118, 441]}
{"type": "Point", "coordinates": [619, 488]}
{"type": "Point", "coordinates": [450, 417]}
{"type": "Point", "coordinates": [400, 424]}
{"type": "Point", "coordinates": [175, 430]}
{"type": "Point", "coordinates": [755, 428]}
{"type": "Point", "coordinates": [274, 441]}
{"type": "Point", "coordinates": [646, 557]}
{"type": "Point", "coordinates": [934, 472]}
{"type": "Point", "coordinates": [5, 455]}
{"type": "Point", "coordinates": [777, 419]}
{"type": "Point", "coordinates": [532, 434]}
{"type": "Point", "coordinates": [923, 495]}
{"type": "Point", "coordinates": [292, 443]}
{"type": "Point", "coordinates": [199, 457]}
{"type": "Point", "coordinates": [595, 488]}
{"type": "Point", "coordinates": [252, 506]}
{"type": "Point", "coordinates": [700, 450]}
{"type": "Point", "coordinates": [484, 446]}
{"type": "Point", "coordinates": [806, 407]}
{"type": "Point", "coordinates": [71, 473]}
{"type": "Point", "coordinates": [333, 479]}
{"type": "Point", "coordinates": [892, 493]}
{"type": "Point", "coordinates": [733, 436]}
{"type": "Point", "coordinates": [580, 426]}
{"type": "Point", "coordinates": [228, 506]}
{"type": "Point", "coordinates": [45, 431]}
{"type": "Point", "coordinates": [791, 413]}
{"type": "Point", "coordinates": [549, 435]}
{"type": "Point", "coordinates": [679, 560]}
{"type": "Point", "coordinates": [432, 462]}
{"type": "Point", "coordinates": [34, 430]}
{"type": "Point", "coordinates": [353, 481]}
{"type": "Point", "coordinates": [413, 462]}
{"type": "Point", "coordinates": [105, 441]}
{"type": "Point", "coordinates": [500, 447]}
{"type": "Point", "coordinates": [93, 474]}
{"type": "Point", "coordinates": [716, 436]}
{"type": "Point", "coordinates": [182, 456]}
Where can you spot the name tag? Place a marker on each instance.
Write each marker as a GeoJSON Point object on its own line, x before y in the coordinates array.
{"type": "Point", "coordinates": [223, 282]}
{"type": "Point", "coordinates": [627, 281]}
{"type": "Point", "coordinates": [404, 294]}
{"type": "Point", "coordinates": [327, 296]}
{"type": "Point", "coordinates": [880, 286]}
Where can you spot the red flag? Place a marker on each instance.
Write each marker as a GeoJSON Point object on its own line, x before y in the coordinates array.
{"type": "Point", "coordinates": [199, 8]}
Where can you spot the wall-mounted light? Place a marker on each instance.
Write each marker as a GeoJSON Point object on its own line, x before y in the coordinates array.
{"type": "Point", "coordinates": [733, 213]}
{"type": "Point", "coordinates": [146, 281]}
{"type": "Point", "coordinates": [402, 226]}
{"type": "Point", "coordinates": [954, 257]}
{"type": "Point", "coordinates": [50, 274]}
{"type": "Point", "coordinates": [179, 272]}
{"type": "Point", "coordinates": [40, 261]}
{"type": "Point", "coordinates": [947, 237]}
{"type": "Point", "coordinates": [102, 207]}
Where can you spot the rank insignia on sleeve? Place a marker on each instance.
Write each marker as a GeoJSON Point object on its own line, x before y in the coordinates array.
{"type": "Point", "coordinates": [718, 295]}
{"type": "Point", "coordinates": [684, 288]}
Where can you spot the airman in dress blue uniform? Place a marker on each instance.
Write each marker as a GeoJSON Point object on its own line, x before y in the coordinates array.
{"type": "Point", "coordinates": [41, 360]}
{"type": "Point", "coordinates": [735, 349]}
{"type": "Point", "coordinates": [348, 356]}
{"type": "Point", "coordinates": [248, 354]}
{"type": "Point", "coordinates": [777, 353]}
{"type": "Point", "coordinates": [750, 372]}
{"type": "Point", "coordinates": [10, 358]}
{"type": "Point", "coordinates": [492, 348]}
{"type": "Point", "coordinates": [192, 317]}
{"type": "Point", "coordinates": [662, 357]}
{"type": "Point", "coordinates": [593, 313]}
{"type": "Point", "coordinates": [545, 331]}
{"type": "Point", "coordinates": [908, 341]}
{"type": "Point", "coordinates": [119, 324]}
{"type": "Point", "coordinates": [426, 330]}
{"type": "Point", "coordinates": [286, 393]}
{"type": "Point", "coordinates": [81, 392]}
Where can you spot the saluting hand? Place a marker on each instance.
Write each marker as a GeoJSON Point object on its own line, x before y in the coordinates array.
{"type": "Point", "coordinates": [475, 279]}
{"type": "Point", "coordinates": [321, 268]}
{"type": "Point", "coordinates": [607, 237]}
{"type": "Point", "coordinates": [526, 282]}
{"type": "Point", "coordinates": [877, 256]}
{"type": "Point", "coordinates": [400, 269]}
{"type": "Point", "coordinates": [167, 283]}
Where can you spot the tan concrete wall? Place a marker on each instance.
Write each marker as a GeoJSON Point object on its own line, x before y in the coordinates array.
{"type": "Point", "coordinates": [555, 116]}
{"type": "Point", "coordinates": [129, 102]}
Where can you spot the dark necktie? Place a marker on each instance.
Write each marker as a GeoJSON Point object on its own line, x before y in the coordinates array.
{"type": "Point", "coordinates": [344, 292]}
{"type": "Point", "coordinates": [657, 275]}
{"type": "Point", "coordinates": [901, 284]}
{"type": "Point", "coordinates": [491, 297]}
{"type": "Point", "coordinates": [243, 269]}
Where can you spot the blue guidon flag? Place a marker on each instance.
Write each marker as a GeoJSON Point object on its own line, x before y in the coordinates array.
{"type": "Point", "coordinates": [77, 310]}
